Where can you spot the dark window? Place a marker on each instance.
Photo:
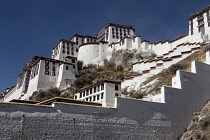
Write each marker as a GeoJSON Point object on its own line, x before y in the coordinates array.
{"type": "Point", "coordinates": [75, 97]}
{"type": "Point", "coordinates": [102, 95]}
{"type": "Point", "coordinates": [53, 70]}
{"type": "Point", "coordinates": [98, 87]}
{"type": "Point", "coordinates": [63, 51]}
{"type": "Point", "coordinates": [86, 99]}
{"type": "Point", "coordinates": [47, 62]}
{"type": "Point", "coordinates": [77, 49]}
{"type": "Point", "coordinates": [47, 72]}
{"type": "Point", "coordinates": [47, 67]}
{"type": "Point", "coordinates": [94, 89]}
{"type": "Point", "coordinates": [80, 94]}
{"type": "Point", "coordinates": [98, 97]}
{"type": "Point", "coordinates": [90, 99]}
{"type": "Point", "coordinates": [116, 87]}
{"type": "Point", "coordinates": [94, 98]}
{"type": "Point", "coordinates": [191, 27]}
{"type": "Point", "coordinates": [67, 47]}
{"type": "Point", "coordinates": [73, 60]}
{"type": "Point", "coordinates": [113, 36]}
{"type": "Point", "coordinates": [67, 51]}
{"type": "Point", "coordinates": [87, 92]}
{"type": "Point", "coordinates": [91, 91]}
{"type": "Point", "coordinates": [73, 66]}
{"type": "Point", "coordinates": [67, 67]}
{"type": "Point", "coordinates": [208, 18]}
{"type": "Point", "coordinates": [83, 93]}
{"type": "Point", "coordinates": [102, 86]}
{"type": "Point", "coordinates": [201, 28]}
{"type": "Point", "coordinates": [116, 94]}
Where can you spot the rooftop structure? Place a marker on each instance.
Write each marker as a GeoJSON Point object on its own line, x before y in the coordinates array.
{"type": "Point", "coordinates": [105, 93]}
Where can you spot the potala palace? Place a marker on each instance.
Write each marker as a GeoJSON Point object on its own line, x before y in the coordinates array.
{"type": "Point", "coordinates": [101, 111]}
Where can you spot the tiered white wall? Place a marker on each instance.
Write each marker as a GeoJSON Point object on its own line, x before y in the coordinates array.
{"type": "Point", "coordinates": [150, 68]}
{"type": "Point", "coordinates": [180, 50]}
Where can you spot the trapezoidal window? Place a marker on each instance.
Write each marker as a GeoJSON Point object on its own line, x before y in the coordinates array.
{"type": "Point", "coordinates": [102, 86]}
{"type": "Point", "coordinates": [116, 87]}
{"type": "Point", "coordinates": [102, 95]}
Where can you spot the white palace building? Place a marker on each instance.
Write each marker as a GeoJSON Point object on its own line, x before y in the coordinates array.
{"type": "Point", "coordinates": [61, 69]}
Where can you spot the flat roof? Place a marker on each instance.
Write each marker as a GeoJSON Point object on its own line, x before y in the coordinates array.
{"type": "Point", "coordinates": [201, 12]}
{"type": "Point", "coordinates": [24, 101]}
{"type": "Point", "coordinates": [65, 100]}
{"type": "Point", "coordinates": [83, 36]}
{"type": "Point", "coordinates": [105, 81]}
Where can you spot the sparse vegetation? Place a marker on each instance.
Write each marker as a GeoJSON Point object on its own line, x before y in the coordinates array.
{"type": "Point", "coordinates": [151, 56]}
{"type": "Point", "coordinates": [139, 56]}
{"type": "Point", "coordinates": [80, 65]}
{"type": "Point", "coordinates": [120, 68]}
{"type": "Point", "coordinates": [42, 95]}
{"type": "Point", "coordinates": [207, 48]}
{"type": "Point", "coordinates": [173, 68]}
{"type": "Point", "coordinates": [95, 75]}
{"type": "Point", "coordinates": [109, 63]}
{"type": "Point", "coordinates": [90, 66]}
{"type": "Point", "coordinates": [133, 94]}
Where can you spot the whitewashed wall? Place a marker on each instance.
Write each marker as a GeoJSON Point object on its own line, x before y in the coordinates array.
{"type": "Point", "coordinates": [88, 52]}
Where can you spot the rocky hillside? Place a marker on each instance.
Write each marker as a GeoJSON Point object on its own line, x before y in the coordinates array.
{"type": "Point", "coordinates": [199, 128]}
{"type": "Point", "coordinates": [127, 57]}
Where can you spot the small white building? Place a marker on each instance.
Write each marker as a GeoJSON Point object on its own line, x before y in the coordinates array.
{"type": "Point", "coordinates": [65, 48]}
{"type": "Point", "coordinates": [42, 73]}
{"type": "Point", "coordinates": [104, 93]}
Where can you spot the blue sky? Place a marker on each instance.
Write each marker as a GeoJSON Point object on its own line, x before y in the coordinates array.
{"type": "Point", "coordinates": [33, 27]}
